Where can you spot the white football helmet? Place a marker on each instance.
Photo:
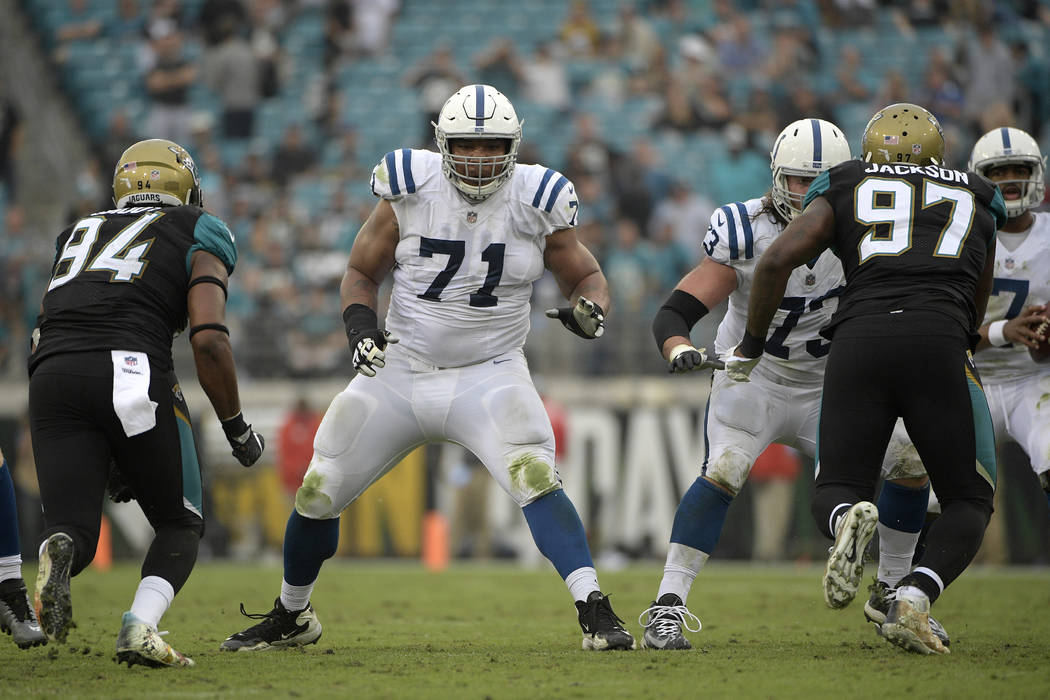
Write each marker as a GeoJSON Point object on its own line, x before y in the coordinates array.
{"type": "Point", "coordinates": [805, 148]}
{"type": "Point", "coordinates": [1007, 145]}
{"type": "Point", "coordinates": [478, 112]}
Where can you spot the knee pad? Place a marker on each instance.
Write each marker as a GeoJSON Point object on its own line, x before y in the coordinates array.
{"type": "Point", "coordinates": [729, 469]}
{"type": "Point", "coordinates": [311, 499]}
{"type": "Point", "coordinates": [531, 478]}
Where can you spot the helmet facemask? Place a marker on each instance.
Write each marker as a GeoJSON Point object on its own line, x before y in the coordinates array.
{"type": "Point", "coordinates": [478, 112]}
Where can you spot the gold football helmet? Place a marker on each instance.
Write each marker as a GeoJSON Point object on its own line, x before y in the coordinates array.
{"type": "Point", "coordinates": [903, 133]}
{"type": "Point", "coordinates": [156, 172]}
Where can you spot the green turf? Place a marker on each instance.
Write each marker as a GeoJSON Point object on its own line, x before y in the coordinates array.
{"type": "Point", "coordinates": [393, 630]}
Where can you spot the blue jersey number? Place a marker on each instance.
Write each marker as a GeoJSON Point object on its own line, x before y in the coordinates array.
{"type": "Point", "coordinates": [1019, 288]}
{"type": "Point", "coordinates": [796, 306]}
{"type": "Point", "coordinates": [455, 250]}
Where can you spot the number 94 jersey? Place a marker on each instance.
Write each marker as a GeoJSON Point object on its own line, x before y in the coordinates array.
{"type": "Point", "coordinates": [464, 270]}
{"type": "Point", "coordinates": [738, 234]}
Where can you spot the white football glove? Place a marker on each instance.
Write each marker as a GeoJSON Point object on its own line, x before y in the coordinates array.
{"type": "Point", "coordinates": [739, 368]}
{"type": "Point", "coordinates": [686, 358]}
{"type": "Point", "coordinates": [586, 319]}
{"type": "Point", "coordinates": [368, 352]}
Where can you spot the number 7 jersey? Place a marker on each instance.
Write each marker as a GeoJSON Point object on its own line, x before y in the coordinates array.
{"type": "Point", "coordinates": [464, 270]}
{"type": "Point", "coordinates": [738, 235]}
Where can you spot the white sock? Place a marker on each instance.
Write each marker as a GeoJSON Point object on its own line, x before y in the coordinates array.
{"type": "Point", "coordinates": [152, 599]}
{"type": "Point", "coordinates": [896, 548]}
{"type": "Point", "coordinates": [11, 567]}
{"type": "Point", "coordinates": [681, 568]}
{"type": "Point", "coordinates": [295, 598]}
{"type": "Point", "coordinates": [582, 582]}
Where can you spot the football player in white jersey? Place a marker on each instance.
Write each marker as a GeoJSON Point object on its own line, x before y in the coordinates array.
{"type": "Point", "coordinates": [465, 233]}
{"type": "Point", "coordinates": [1014, 385]}
{"type": "Point", "coordinates": [782, 401]}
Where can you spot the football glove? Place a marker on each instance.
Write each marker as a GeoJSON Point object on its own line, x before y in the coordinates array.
{"type": "Point", "coordinates": [586, 319]}
{"type": "Point", "coordinates": [739, 368]}
{"type": "Point", "coordinates": [368, 347]}
{"type": "Point", "coordinates": [117, 487]}
{"type": "Point", "coordinates": [686, 358]}
{"type": "Point", "coordinates": [247, 444]}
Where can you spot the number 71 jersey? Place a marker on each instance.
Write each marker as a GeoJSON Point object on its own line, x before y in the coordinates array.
{"type": "Point", "coordinates": [738, 235]}
{"type": "Point", "coordinates": [464, 270]}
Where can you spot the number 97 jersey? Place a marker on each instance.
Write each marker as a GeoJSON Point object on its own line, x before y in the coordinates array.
{"type": "Point", "coordinates": [464, 269]}
{"type": "Point", "coordinates": [739, 233]}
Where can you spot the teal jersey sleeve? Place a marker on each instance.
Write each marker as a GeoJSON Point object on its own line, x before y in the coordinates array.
{"type": "Point", "coordinates": [819, 186]}
{"type": "Point", "coordinates": [998, 208]}
{"type": "Point", "coordinates": [213, 235]}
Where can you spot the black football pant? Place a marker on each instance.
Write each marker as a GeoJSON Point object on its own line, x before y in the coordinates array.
{"type": "Point", "coordinates": [875, 373]}
{"type": "Point", "coordinates": [77, 435]}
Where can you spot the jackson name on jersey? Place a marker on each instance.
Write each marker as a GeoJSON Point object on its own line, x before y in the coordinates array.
{"type": "Point", "coordinates": [1022, 278]}
{"type": "Point", "coordinates": [464, 270]}
{"type": "Point", "coordinates": [738, 234]}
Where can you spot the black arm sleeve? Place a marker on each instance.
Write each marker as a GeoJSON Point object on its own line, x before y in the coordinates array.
{"type": "Point", "coordinates": [677, 316]}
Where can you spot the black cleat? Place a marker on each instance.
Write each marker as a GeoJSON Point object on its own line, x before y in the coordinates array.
{"type": "Point", "coordinates": [54, 605]}
{"type": "Point", "coordinates": [17, 617]}
{"type": "Point", "coordinates": [602, 629]}
{"type": "Point", "coordinates": [279, 628]}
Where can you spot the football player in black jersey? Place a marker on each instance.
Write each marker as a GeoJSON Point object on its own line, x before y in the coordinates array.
{"type": "Point", "coordinates": [102, 389]}
{"type": "Point", "coordinates": [917, 244]}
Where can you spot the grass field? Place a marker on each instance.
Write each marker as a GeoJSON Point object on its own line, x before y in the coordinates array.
{"type": "Point", "coordinates": [394, 630]}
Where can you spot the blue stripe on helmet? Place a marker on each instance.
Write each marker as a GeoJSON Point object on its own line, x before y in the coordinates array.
{"type": "Point", "coordinates": [818, 156]}
{"type": "Point", "coordinates": [558, 186]}
{"type": "Point", "coordinates": [406, 164]}
{"type": "Point", "coordinates": [479, 105]}
{"type": "Point", "coordinates": [749, 235]}
{"type": "Point", "coordinates": [1006, 137]}
{"type": "Point", "coordinates": [391, 169]}
{"type": "Point", "coordinates": [543, 185]}
{"type": "Point", "coordinates": [734, 251]}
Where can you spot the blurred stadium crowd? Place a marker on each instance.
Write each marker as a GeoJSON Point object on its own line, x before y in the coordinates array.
{"type": "Point", "coordinates": [658, 110]}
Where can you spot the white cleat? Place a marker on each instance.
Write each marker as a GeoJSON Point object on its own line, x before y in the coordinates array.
{"type": "Point", "coordinates": [907, 625]}
{"type": "Point", "coordinates": [140, 643]}
{"type": "Point", "coordinates": [846, 560]}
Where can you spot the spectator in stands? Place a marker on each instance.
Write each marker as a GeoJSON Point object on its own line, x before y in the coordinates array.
{"type": "Point", "coordinates": [232, 72]}
{"type": "Point", "coordinates": [119, 135]}
{"type": "Point", "coordinates": [579, 32]}
{"type": "Point", "coordinates": [371, 25]}
{"type": "Point", "coordinates": [168, 84]}
{"type": "Point", "coordinates": [215, 16]}
{"type": "Point", "coordinates": [292, 156]}
{"type": "Point", "coordinates": [82, 24]}
{"type": "Point", "coordinates": [850, 88]}
{"type": "Point", "coordinates": [543, 77]}
{"type": "Point", "coordinates": [129, 24]}
{"type": "Point", "coordinates": [743, 170]}
{"type": "Point", "coordinates": [679, 112]}
{"type": "Point", "coordinates": [989, 70]}
{"type": "Point", "coordinates": [772, 480]}
{"type": "Point", "coordinates": [685, 215]}
{"type": "Point", "coordinates": [637, 37]}
{"type": "Point", "coordinates": [740, 52]}
{"type": "Point", "coordinates": [10, 145]}
{"type": "Point", "coordinates": [435, 77]}
{"type": "Point", "coordinates": [498, 64]}
{"type": "Point", "coordinates": [295, 444]}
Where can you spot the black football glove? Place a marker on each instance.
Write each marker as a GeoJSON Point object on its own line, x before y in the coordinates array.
{"type": "Point", "coordinates": [586, 319]}
{"type": "Point", "coordinates": [117, 487]}
{"type": "Point", "coordinates": [247, 444]}
{"type": "Point", "coordinates": [686, 358]}
{"type": "Point", "coordinates": [368, 346]}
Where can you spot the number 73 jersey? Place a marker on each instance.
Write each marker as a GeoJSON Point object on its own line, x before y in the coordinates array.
{"type": "Point", "coordinates": [910, 237]}
{"type": "Point", "coordinates": [738, 235]}
{"type": "Point", "coordinates": [464, 270]}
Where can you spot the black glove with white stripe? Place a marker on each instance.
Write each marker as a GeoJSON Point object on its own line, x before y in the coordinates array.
{"type": "Point", "coordinates": [247, 444]}
{"type": "Point", "coordinates": [586, 319]}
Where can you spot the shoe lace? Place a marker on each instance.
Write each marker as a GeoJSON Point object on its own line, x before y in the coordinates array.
{"type": "Point", "coordinates": [269, 619]}
{"type": "Point", "coordinates": [600, 616]}
{"type": "Point", "coordinates": [669, 619]}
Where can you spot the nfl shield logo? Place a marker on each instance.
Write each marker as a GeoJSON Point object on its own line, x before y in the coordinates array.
{"type": "Point", "coordinates": [1009, 263]}
{"type": "Point", "coordinates": [916, 148]}
{"type": "Point", "coordinates": [472, 217]}
{"type": "Point", "coordinates": [131, 360]}
{"type": "Point", "coordinates": [811, 279]}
